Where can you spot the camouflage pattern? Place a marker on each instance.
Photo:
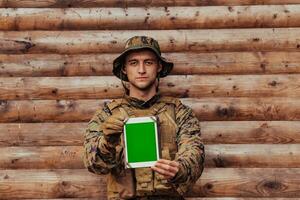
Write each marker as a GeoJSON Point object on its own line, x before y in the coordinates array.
{"type": "Point", "coordinates": [102, 156]}
{"type": "Point", "coordinates": [137, 43]}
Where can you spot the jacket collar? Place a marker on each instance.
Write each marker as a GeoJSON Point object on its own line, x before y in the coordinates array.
{"type": "Point", "coordinates": [141, 104]}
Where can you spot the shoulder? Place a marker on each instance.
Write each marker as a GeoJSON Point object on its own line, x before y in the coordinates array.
{"type": "Point", "coordinates": [170, 100]}
{"type": "Point", "coordinates": [106, 110]}
{"type": "Point", "coordinates": [114, 104]}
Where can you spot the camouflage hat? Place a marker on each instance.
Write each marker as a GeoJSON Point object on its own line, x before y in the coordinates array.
{"type": "Point", "coordinates": [136, 43]}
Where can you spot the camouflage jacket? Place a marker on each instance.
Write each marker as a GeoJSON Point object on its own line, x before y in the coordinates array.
{"type": "Point", "coordinates": [102, 157]}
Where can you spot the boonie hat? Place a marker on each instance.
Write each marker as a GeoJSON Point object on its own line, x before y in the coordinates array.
{"type": "Point", "coordinates": [136, 43]}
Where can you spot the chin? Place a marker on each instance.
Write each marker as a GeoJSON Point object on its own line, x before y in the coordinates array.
{"type": "Point", "coordinates": [143, 86]}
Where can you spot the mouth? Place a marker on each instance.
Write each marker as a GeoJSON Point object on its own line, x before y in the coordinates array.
{"type": "Point", "coordinates": [141, 78]}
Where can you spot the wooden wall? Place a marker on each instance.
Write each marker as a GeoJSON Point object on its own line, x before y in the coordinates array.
{"type": "Point", "coordinates": [237, 64]}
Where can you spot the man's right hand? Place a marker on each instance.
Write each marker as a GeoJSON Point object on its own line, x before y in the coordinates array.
{"type": "Point", "coordinates": [113, 126]}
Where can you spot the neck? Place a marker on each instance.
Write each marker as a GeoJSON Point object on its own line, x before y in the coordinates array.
{"type": "Point", "coordinates": [144, 95]}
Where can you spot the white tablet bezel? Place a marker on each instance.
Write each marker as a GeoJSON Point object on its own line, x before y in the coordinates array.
{"type": "Point", "coordinates": [141, 120]}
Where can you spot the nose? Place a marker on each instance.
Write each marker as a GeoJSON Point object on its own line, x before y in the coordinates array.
{"type": "Point", "coordinates": [141, 68]}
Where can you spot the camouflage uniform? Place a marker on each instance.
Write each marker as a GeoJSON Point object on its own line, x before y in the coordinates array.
{"type": "Point", "coordinates": [103, 156]}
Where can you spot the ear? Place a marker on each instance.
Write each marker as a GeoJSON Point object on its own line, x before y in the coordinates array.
{"type": "Point", "coordinates": [123, 69]}
{"type": "Point", "coordinates": [159, 67]}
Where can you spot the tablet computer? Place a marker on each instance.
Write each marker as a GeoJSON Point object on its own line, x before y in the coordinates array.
{"type": "Point", "coordinates": [141, 142]}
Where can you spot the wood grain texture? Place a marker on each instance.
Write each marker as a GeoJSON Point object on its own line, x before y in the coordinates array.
{"type": "Point", "coordinates": [48, 110]}
{"type": "Point", "coordinates": [215, 182]}
{"type": "Point", "coordinates": [239, 198]}
{"type": "Point", "coordinates": [253, 155]}
{"type": "Point", "coordinates": [40, 184]}
{"type": "Point", "coordinates": [186, 63]}
{"type": "Point", "coordinates": [201, 40]}
{"type": "Point", "coordinates": [219, 155]}
{"type": "Point", "coordinates": [250, 132]}
{"type": "Point", "coordinates": [42, 134]}
{"type": "Point", "coordinates": [161, 18]}
{"type": "Point", "coordinates": [193, 86]}
{"type": "Point", "coordinates": [245, 182]}
{"type": "Point", "coordinates": [214, 132]}
{"type": "Point", "coordinates": [134, 3]}
{"type": "Point", "coordinates": [206, 109]}
{"type": "Point", "coordinates": [191, 198]}
{"type": "Point", "coordinates": [53, 157]}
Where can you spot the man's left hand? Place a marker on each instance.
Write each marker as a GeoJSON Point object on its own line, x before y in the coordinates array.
{"type": "Point", "coordinates": [167, 168]}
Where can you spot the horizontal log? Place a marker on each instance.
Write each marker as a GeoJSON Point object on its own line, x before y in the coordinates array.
{"type": "Point", "coordinates": [206, 109]}
{"type": "Point", "coordinates": [216, 132]}
{"type": "Point", "coordinates": [134, 3]}
{"type": "Point", "coordinates": [245, 108]}
{"type": "Point", "coordinates": [215, 182]}
{"type": "Point", "coordinates": [195, 198]}
{"type": "Point", "coordinates": [186, 63]}
{"type": "Point", "coordinates": [55, 157]}
{"type": "Point", "coordinates": [48, 110]}
{"type": "Point", "coordinates": [243, 182]}
{"type": "Point", "coordinates": [191, 198]}
{"type": "Point", "coordinates": [193, 86]}
{"type": "Point", "coordinates": [253, 155]}
{"type": "Point", "coordinates": [42, 134]}
{"type": "Point", "coordinates": [219, 155]}
{"type": "Point", "coordinates": [150, 18]}
{"type": "Point", "coordinates": [21, 184]}
{"type": "Point", "coordinates": [206, 40]}
{"type": "Point", "coordinates": [251, 132]}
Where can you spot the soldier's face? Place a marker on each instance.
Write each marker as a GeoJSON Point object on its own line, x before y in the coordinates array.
{"type": "Point", "coordinates": [141, 68]}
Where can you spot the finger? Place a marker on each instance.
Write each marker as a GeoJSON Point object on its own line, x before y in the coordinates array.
{"type": "Point", "coordinates": [114, 120]}
{"type": "Point", "coordinates": [168, 162]}
{"type": "Point", "coordinates": [167, 167]}
{"type": "Point", "coordinates": [113, 126]}
{"type": "Point", "coordinates": [163, 172]}
{"type": "Point", "coordinates": [108, 132]}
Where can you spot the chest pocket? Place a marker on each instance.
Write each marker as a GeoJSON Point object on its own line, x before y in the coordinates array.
{"type": "Point", "coordinates": [168, 129]}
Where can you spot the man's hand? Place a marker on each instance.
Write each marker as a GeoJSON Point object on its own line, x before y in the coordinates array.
{"type": "Point", "coordinates": [113, 125]}
{"type": "Point", "coordinates": [167, 168]}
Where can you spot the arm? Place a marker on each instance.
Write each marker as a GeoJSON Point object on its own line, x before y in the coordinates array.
{"type": "Point", "coordinates": [190, 155]}
{"type": "Point", "coordinates": [101, 154]}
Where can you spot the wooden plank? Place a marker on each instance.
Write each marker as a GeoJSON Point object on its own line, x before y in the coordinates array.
{"type": "Point", "coordinates": [253, 155]}
{"type": "Point", "coordinates": [244, 108]}
{"type": "Point", "coordinates": [215, 132]}
{"type": "Point", "coordinates": [215, 182]}
{"type": "Point", "coordinates": [161, 18]}
{"type": "Point", "coordinates": [245, 182]}
{"type": "Point", "coordinates": [48, 110]}
{"type": "Point", "coordinates": [22, 184]}
{"type": "Point", "coordinates": [200, 198]}
{"type": "Point", "coordinates": [134, 3]}
{"type": "Point", "coordinates": [206, 109]}
{"type": "Point", "coordinates": [192, 86]}
{"type": "Point", "coordinates": [42, 134]}
{"type": "Point", "coordinates": [219, 155]}
{"type": "Point", "coordinates": [251, 132]}
{"type": "Point", "coordinates": [53, 157]}
{"type": "Point", "coordinates": [205, 40]}
{"type": "Point", "coordinates": [186, 63]}
{"type": "Point", "coordinates": [238, 198]}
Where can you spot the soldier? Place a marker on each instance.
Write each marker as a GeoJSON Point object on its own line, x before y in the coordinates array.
{"type": "Point", "coordinates": [140, 66]}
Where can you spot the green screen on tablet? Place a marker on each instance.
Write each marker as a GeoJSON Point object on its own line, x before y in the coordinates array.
{"type": "Point", "coordinates": [141, 142]}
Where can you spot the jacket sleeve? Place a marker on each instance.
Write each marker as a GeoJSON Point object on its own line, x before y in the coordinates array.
{"type": "Point", "coordinates": [190, 153]}
{"type": "Point", "coordinates": [99, 155]}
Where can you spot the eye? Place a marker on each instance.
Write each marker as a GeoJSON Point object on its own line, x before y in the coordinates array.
{"type": "Point", "coordinates": [149, 62]}
{"type": "Point", "coordinates": [133, 63]}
